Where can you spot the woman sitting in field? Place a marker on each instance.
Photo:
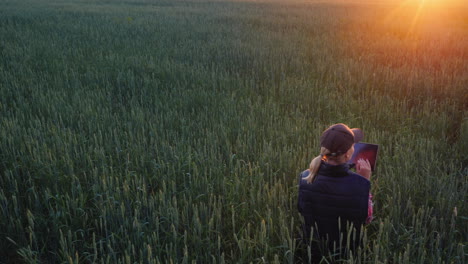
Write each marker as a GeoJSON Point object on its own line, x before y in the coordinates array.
{"type": "Point", "coordinates": [334, 201]}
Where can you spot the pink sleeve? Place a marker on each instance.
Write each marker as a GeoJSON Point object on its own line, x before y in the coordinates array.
{"type": "Point", "coordinates": [370, 210]}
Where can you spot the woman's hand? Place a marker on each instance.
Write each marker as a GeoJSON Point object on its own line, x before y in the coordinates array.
{"type": "Point", "coordinates": [363, 168]}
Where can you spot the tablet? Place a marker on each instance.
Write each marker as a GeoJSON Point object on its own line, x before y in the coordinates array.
{"type": "Point", "coordinates": [365, 151]}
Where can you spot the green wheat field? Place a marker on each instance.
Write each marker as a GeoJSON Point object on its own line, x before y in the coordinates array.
{"type": "Point", "coordinates": [173, 131]}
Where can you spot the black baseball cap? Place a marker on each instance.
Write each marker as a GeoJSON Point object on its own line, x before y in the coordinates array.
{"type": "Point", "coordinates": [339, 138]}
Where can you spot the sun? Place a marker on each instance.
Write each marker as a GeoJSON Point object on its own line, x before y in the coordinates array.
{"type": "Point", "coordinates": [429, 1]}
{"type": "Point", "coordinates": [417, 14]}
{"type": "Point", "coordinates": [433, 3]}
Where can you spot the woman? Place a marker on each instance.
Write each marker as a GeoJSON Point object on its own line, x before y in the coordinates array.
{"type": "Point", "coordinates": [334, 201]}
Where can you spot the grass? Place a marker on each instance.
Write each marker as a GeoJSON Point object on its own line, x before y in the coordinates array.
{"type": "Point", "coordinates": [173, 131]}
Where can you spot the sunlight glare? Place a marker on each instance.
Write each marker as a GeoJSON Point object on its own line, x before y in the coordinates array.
{"type": "Point", "coordinates": [414, 15]}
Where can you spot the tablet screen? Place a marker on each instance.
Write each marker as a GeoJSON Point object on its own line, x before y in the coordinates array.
{"type": "Point", "coordinates": [365, 151]}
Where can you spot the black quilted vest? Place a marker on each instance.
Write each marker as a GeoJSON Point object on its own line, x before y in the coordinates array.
{"type": "Point", "coordinates": [338, 197]}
